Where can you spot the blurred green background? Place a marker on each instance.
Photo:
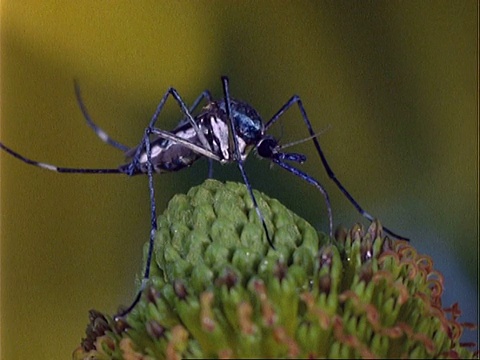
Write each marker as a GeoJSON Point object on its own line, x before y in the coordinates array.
{"type": "Point", "coordinates": [394, 82]}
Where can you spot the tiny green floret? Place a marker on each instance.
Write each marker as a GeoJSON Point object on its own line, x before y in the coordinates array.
{"type": "Point", "coordinates": [218, 290]}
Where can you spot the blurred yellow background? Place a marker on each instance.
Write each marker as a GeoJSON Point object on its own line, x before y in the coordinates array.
{"type": "Point", "coordinates": [396, 82]}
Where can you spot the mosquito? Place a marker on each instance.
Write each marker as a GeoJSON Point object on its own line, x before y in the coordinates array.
{"type": "Point", "coordinates": [225, 130]}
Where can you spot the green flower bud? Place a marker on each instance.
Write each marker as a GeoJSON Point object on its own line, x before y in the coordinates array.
{"type": "Point", "coordinates": [218, 290]}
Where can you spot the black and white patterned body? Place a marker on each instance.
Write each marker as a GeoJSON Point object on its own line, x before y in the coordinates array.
{"type": "Point", "coordinates": [168, 155]}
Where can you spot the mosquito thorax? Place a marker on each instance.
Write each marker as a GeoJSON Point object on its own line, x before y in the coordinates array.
{"type": "Point", "coordinates": [249, 128]}
{"type": "Point", "coordinates": [248, 123]}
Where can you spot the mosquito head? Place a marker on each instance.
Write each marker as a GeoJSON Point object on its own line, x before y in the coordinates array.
{"type": "Point", "coordinates": [269, 148]}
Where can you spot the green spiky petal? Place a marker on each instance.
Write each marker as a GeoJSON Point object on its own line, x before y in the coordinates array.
{"type": "Point", "coordinates": [218, 290]}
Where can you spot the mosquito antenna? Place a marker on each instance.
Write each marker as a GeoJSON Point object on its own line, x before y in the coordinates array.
{"type": "Point", "coordinates": [301, 141]}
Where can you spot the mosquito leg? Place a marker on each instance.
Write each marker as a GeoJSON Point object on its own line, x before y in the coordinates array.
{"type": "Point", "coordinates": [146, 145]}
{"type": "Point", "coordinates": [153, 229]}
{"type": "Point", "coordinates": [58, 168]}
{"type": "Point", "coordinates": [204, 95]}
{"type": "Point", "coordinates": [313, 182]}
{"type": "Point", "coordinates": [210, 169]}
{"type": "Point", "coordinates": [255, 205]}
{"type": "Point", "coordinates": [98, 131]}
{"type": "Point", "coordinates": [236, 155]}
{"type": "Point", "coordinates": [296, 100]}
{"type": "Point", "coordinates": [174, 93]}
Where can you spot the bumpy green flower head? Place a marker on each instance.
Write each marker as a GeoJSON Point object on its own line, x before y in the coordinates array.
{"type": "Point", "coordinates": [218, 290]}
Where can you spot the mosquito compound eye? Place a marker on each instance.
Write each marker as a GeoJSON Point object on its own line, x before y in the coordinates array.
{"type": "Point", "coordinates": [266, 147]}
